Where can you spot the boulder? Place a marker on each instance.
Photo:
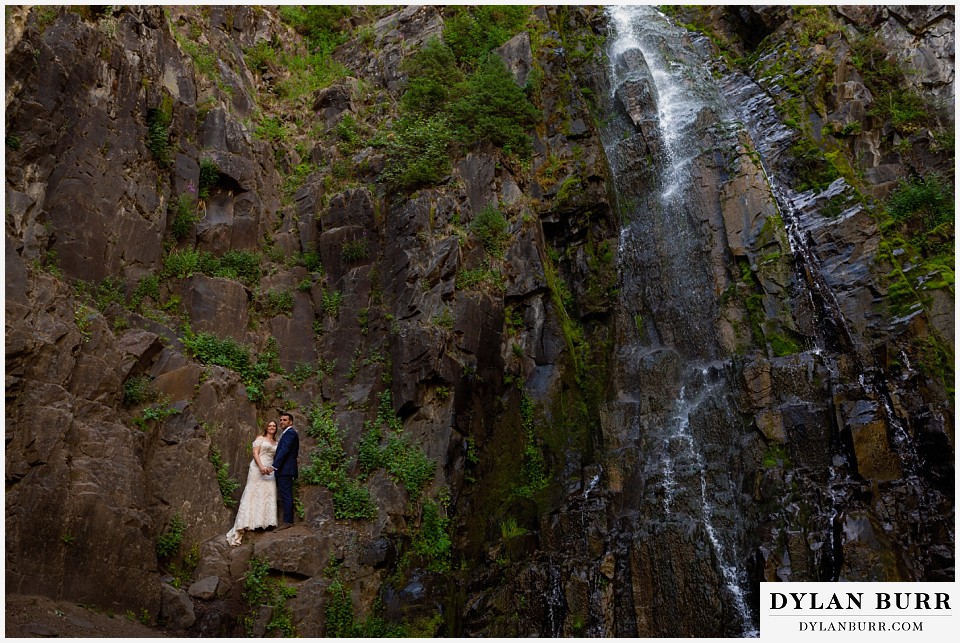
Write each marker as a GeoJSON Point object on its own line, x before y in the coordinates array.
{"type": "Point", "coordinates": [205, 588]}
{"type": "Point", "coordinates": [176, 608]}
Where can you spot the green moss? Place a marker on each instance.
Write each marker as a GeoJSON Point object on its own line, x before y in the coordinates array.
{"type": "Point", "coordinates": [572, 330]}
{"type": "Point", "coordinates": [814, 170]}
{"type": "Point", "coordinates": [776, 456]}
{"type": "Point", "coordinates": [783, 345]}
{"type": "Point", "coordinates": [533, 476]}
{"type": "Point", "coordinates": [936, 361]}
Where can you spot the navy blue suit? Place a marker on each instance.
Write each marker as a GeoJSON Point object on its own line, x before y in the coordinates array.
{"type": "Point", "coordinates": [285, 462]}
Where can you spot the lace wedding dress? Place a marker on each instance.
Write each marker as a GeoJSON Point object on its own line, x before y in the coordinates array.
{"type": "Point", "coordinates": [258, 506]}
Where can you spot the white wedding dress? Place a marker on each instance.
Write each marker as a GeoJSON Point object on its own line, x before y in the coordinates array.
{"type": "Point", "coordinates": [258, 506]}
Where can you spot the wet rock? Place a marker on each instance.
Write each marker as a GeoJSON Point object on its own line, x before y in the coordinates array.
{"type": "Point", "coordinates": [378, 553]}
{"type": "Point", "coordinates": [875, 459]}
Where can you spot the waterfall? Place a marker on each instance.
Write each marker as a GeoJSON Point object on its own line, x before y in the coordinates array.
{"type": "Point", "coordinates": [755, 108]}
{"type": "Point", "coordinates": [669, 304]}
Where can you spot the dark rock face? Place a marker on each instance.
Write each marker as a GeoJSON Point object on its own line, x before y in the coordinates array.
{"type": "Point", "coordinates": [676, 371]}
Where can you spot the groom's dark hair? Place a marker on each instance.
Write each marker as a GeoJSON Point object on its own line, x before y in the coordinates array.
{"type": "Point", "coordinates": [288, 416]}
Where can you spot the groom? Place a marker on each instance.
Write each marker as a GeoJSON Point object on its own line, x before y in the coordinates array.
{"type": "Point", "coordinates": [285, 464]}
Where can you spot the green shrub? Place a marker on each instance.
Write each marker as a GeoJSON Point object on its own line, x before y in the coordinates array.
{"type": "Point", "coordinates": [354, 250]}
{"type": "Point", "coordinates": [926, 202]}
{"type": "Point", "coordinates": [369, 454]}
{"type": "Point", "coordinates": [813, 170]}
{"type": "Point", "coordinates": [328, 464]}
{"type": "Point", "coordinates": [783, 345]}
{"type": "Point", "coordinates": [417, 152]}
{"type": "Point", "coordinates": [271, 129]}
{"type": "Point", "coordinates": [158, 131]}
{"type": "Point", "coordinates": [181, 264]}
{"type": "Point", "coordinates": [884, 76]}
{"type": "Point", "coordinates": [138, 389]}
{"type": "Point", "coordinates": [157, 412]}
{"type": "Point", "coordinates": [204, 60]}
{"type": "Point", "coordinates": [210, 349]}
{"type": "Point", "coordinates": [431, 541]}
{"type": "Point", "coordinates": [307, 74]}
{"type": "Point", "coordinates": [328, 458]}
{"type": "Point", "coordinates": [184, 216]}
{"type": "Point", "coordinates": [310, 261]}
{"type": "Point", "coordinates": [318, 24]}
{"type": "Point", "coordinates": [209, 176]}
{"type": "Point", "coordinates": [490, 228]}
{"type": "Point", "coordinates": [431, 76]}
{"type": "Point", "coordinates": [109, 291]}
{"type": "Point", "coordinates": [331, 301]}
{"type": "Point", "coordinates": [483, 279]}
{"type": "Point", "coordinates": [260, 589]}
{"type": "Point", "coordinates": [242, 265]}
{"type": "Point", "coordinates": [168, 543]}
{"type": "Point", "coordinates": [339, 612]}
{"type": "Point", "coordinates": [406, 462]}
{"type": "Point", "coordinates": [473, 31]}
{"type": "Point", "coordinates": [408, 465]}
{"type": "Point", "coordinates": [302, 372]}
{"type": "Point", "coordinates": [491, 106]}
{"type": "Point", "coordinates": [352, 501]}
{"type": "Point", "coordinates": [278, 302]}
{"type": "Point", "coordinates": [510, 529]}
{"type": "Point", "coordinates": [227, 484]}
{"type": "Point", "coordinates": [148, 286]}
{"type": "Point", "coordinates": [534, 468]}
{"type": "Point", "coordinates": [261, 56]}
{"type": "Point", "coordinates": [348, 131]}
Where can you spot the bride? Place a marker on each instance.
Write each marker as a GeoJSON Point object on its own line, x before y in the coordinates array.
{"type": "Point", "coordinates": [258, 506]}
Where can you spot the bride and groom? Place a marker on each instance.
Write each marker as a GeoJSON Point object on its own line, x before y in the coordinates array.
{"type": "Point", "coordinates": [271, 473]}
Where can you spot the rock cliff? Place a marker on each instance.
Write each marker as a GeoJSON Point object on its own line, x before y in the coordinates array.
{"type": "Point", "coordinates": [405, 225]}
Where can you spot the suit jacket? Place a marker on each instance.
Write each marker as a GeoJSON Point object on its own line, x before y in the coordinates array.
{"type": "Point", "coordinates": [285, 460]}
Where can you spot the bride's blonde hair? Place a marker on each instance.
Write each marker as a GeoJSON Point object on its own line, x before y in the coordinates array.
{"type": "Point", "coordinates": [267, 426]}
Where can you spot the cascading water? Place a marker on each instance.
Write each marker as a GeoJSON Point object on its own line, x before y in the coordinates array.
{"type": "Point", "coordinates": [755, 107]}
{"type": "Point", "coordinates": [669, 304]}
{"type": "Point", "coordinates": [720, 460]}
